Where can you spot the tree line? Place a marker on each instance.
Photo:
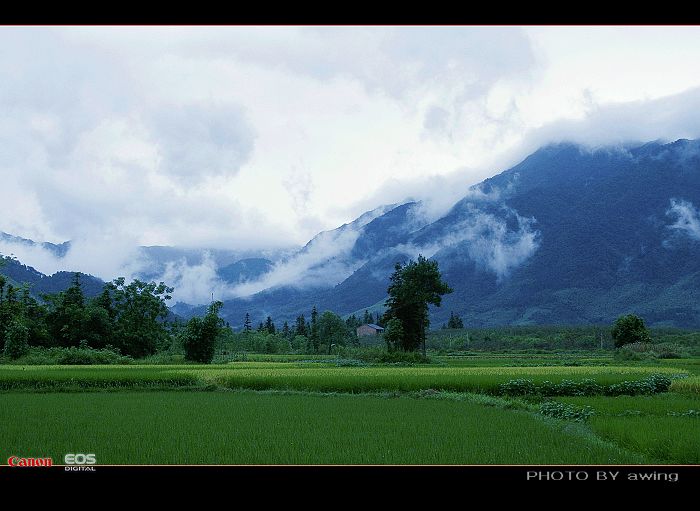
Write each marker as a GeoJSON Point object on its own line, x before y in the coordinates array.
{"type": "Point", "coordinates": [129, 318]}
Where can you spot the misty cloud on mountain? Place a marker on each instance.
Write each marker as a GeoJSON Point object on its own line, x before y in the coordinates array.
{"type": "Point", "coordinates": [687, 218]}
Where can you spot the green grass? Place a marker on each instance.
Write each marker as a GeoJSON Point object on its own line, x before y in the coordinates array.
{"type": "Point", "coordinates": [657, 404]}
{"type": "Point", "coordinates": [687, 385]}
{"type": "Point", "coordinates": [661, 439]}
{"type": "Point", "coordinates": [268, 428]}
{"type": "Point", "coordinates": [664, 427]}
{"type": "Point", "coordinates": [367, 379]}
{"type": "Point", "coordinates": [315, 376]}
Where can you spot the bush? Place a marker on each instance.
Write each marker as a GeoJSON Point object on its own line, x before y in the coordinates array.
{"type": "Point", "coordinates": [519, 387]}
{"type": "Point", "coordinates": [635, 352]}
{"type": "Point", "coordinates": [72, 356]}
{"type": "Point", "coordinates": [660, 382]}
{"type": "Point", "coordinates": [89, 356]}
{"type": "Point", "coordinates": [522, 387]}
{"type": "Point", "coordinates": [565, 411]}
{"type": "Point", "coordinates": [670, 350]}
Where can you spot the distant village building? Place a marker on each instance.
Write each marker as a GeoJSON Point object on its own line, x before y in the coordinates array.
{"type": "Point", "coordinates": [369, 329]}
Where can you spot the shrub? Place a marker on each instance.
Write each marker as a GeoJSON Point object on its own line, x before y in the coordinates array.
{"type": "Point", "coordinates": [72, 356]}
{"type": "Point", "coordinates": [635, 352]}
{"type": "Point", "coordinates": [631, 388]}
{"type": "Point", "coordinates": [89, 356]}
{"type": "Point", "coordinates": [670, 350]}
{"type": "Point", "coordinates": [653, 384]}
{"type": "Point", "coordinates": [565, 411]}
{"type": "Point", "coordinates": [660, 382]}
{"type": "Point", "coordinates": [519, 387]}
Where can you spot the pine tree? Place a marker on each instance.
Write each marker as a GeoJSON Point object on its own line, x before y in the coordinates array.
{"type": "Point", "coordinates": [314, 329]}
{"type": "Point", "coordinates": [414, 286]}
{"type": "Point", "coordinates": [301, 326]}
{"type": "Point", "coordinates": [246, 323]}
{"type": "Point", "coordinates": [270, 326]}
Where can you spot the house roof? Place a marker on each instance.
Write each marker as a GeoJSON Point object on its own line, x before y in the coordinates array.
{"type": "Point", "coordinates": [376, 327]}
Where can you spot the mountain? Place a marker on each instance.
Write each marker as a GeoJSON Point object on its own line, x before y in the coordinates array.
{"type": "Point", "coordinates": [244, 270]}
{"type": "Point", "coordinates": [57, 250]}
{"type": "Point", "coordinates": [570, 235]}
{"type": "Point", "coordinates": [40, 283]}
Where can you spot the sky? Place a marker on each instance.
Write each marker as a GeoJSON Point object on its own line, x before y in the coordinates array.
{"type": "Point", "coordinates": [260, 137]}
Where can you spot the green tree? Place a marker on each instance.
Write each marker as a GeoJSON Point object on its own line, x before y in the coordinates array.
{"type": "Point", "coordinates": [270, 326]}
{"type": "Point", "coordinates": [201, 335]}
{"type": "Point", "coordinates": [66, 318]}
{"type": "Point", "coordinates": [313, 331]}
{"type": "Point", "coordinates": [141, 311]}
{"type": "Point", "coordinates": [455, 321]}
{"type": "Point", "coordinates": [16, 339]}
{"type": "Point", "coordinates": [413, 287]}
{"type": "Point", "coordinates": [628, 329]}
{"type": "Point", "coordinates": [332, 330]}
{"type": "Point", "coordinates": [246, 323]}
{"type": "Point", "coordinates": [301, 326]}
{"type": "Point", "coordinates": [393, 334]}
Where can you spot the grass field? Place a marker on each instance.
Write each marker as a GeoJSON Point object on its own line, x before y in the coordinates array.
{"type": "Point", "coordinates": [322, 376]}
{"type": "Point", "coordinates": [663, 427]}
{"type": "Point", "coordinates": [283, 410]}
{"type": "Point", "coordinates": [259, 428]}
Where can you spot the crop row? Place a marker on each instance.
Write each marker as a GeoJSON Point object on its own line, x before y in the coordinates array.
{"type": "Point", "coordinates": [317, 377]}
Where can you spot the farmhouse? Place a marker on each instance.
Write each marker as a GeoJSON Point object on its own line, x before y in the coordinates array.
{"type": "Point", "coordinates": [369, 329]}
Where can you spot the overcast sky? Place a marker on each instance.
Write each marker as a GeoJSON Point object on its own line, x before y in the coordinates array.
{"type": "Point", "coordinates": [239, 137]}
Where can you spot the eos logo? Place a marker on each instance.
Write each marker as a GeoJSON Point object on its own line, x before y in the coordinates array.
{"type": "Point", "coordinates": [80, 459]}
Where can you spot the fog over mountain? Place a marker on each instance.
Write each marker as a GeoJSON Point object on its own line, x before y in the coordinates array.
{"type": "Point", "coordinates": [278, 167]}
{"type": "Point", "coordinates": [569, 235]}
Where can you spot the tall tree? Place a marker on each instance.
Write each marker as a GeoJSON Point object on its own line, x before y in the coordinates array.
{"type": "Point", "coordinates": [67, 316]}
{"type": "Point", "coordinates": [629, 329]}
{"type": "Point", "coordinates": [246, 323]}
{"type": "Point", "coordinates": [332, 330]}
{"type": "Point", "coordinates": [301, 325]}
{"type": "Point", "coordinates": [455, 321]}
{"type": "Point", "coordinates": [314, 328]}
{"type": "Point", "coordinates": [201, 335]}
{"type": "Point", "coordinates": [270, 325]}
{"type": "Point", "coordinates": [141, 312]}
{"type": "Point", "coordinates": [413, 287]}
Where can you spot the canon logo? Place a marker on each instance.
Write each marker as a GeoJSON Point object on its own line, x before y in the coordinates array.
{"type": "Point", "coordinates": [80, 459]}
{"type": "Point", "coordinates": [16, 461]}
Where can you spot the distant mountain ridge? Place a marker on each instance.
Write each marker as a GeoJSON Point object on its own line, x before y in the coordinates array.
{"type": "Point", "coordinates": [47, 284]}
{"type": "Point", "coordinates": [570, 235]}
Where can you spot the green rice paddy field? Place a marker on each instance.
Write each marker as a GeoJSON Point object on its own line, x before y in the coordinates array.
{"type": "Point", "coordinates": [315, 412]}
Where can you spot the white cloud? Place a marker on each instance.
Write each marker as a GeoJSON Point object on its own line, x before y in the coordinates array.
{"type": "Point", "coordinates": [324, 261]}
{"type": "Point", "coordinates": [249, 137]}
{"type": "Point", "coordinates": [687, 218]}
